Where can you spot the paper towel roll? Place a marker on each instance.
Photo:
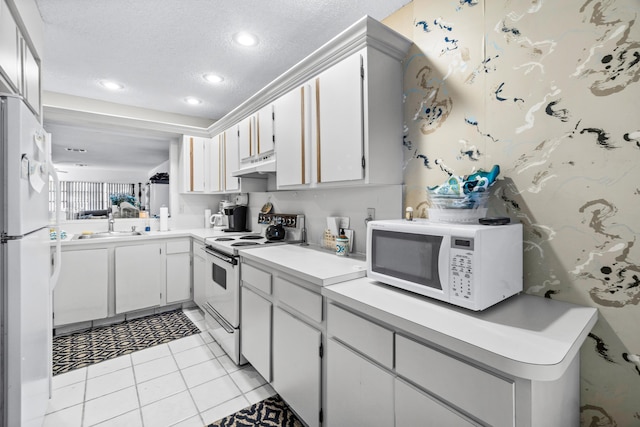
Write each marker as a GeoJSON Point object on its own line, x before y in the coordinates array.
{"type": "Point", "coordinates": [164, 218]}
{"type": "Point", "coordinates": [207, 218]}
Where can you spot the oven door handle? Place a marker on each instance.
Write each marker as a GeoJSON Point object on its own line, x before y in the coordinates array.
{"type": "Point", "coordinates": [218, 318]}
{"type": "Point", "coordinates": [227, 259]}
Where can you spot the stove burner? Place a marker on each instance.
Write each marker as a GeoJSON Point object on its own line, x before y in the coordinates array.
{"type": "Point", "coordinates": [245, 243]}
{"type": "Point", "coordinates": [251, 237]}
{"type": "Point", "coordinates": [224, 239]}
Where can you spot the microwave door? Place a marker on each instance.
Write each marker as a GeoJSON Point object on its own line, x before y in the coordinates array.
{"type": "Point", "coordinates": [412, 261]}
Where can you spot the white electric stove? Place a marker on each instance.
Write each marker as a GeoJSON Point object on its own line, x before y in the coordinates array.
{"type": "Point", "coordinates": [222, 287]}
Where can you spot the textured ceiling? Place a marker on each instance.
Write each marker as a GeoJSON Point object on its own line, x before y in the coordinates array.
{"type": "Point", "coordinates": [160, 49]}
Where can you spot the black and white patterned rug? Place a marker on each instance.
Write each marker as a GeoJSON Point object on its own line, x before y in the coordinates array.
{"type": "Point", "coordinates": [271, 412]}
{"type": "Point", "coordinates": [107, 342]}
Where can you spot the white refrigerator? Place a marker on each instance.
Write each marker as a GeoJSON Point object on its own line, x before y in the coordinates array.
{"type": "Point", "coordinates": [25, 258]}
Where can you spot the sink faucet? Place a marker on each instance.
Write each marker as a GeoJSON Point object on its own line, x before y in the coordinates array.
{"type": "Point", "coordinates": [111, 222]}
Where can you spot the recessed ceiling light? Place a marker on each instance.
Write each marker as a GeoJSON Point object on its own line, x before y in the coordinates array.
{"type": "Point", "coordinates": [192, 101]}
{"type": "Point", "coordinates": [213, 78]}
{"type": "Point", "coordinates": [111, 85]}
{"type": "Point", "coordinates": [76, 150]}
{"type": "Point", "coordinates": [245, 39]}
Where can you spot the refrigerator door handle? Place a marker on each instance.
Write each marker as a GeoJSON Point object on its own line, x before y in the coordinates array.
{"type": "Point", "coordinates": [53, 279]}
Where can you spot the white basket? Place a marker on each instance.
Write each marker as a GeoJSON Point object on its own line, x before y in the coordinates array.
{"type": "Point", "coordinates": [462, 216]}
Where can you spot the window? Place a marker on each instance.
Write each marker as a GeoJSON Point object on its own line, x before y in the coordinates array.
{"type": "Point", "coordinates": [82, 199]}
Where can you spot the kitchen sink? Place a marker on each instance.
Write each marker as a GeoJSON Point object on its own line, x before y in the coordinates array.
{"type": "Point", "coordinates": [107, 235]}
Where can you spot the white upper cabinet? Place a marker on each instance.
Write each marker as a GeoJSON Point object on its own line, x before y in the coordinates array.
{"type": "Point", "coordinates": [264, 126]}
{"type": "Point", "coordinates": [230, 157]}
{"type": "Point", "coordinates": [332, 120]}
{"type": "Point", "coordinates": [246, 138]}
{"type": "Point", "coordinates": [344, 127]}
{"type": "Point", "coordinates": [9, 48]}
{"type": "Point", "coordinates": [292, 132]}
{"type": "Point", "coordinates": [214, 183]}
{"type": "Point", "coordinates": [31, 84]}
{"type": "Point", "coordinates": [339, 121]}
{"type": "Point", "coordinates": [193, 163]}
{"type": "Point", "coordinates": [19, 66]}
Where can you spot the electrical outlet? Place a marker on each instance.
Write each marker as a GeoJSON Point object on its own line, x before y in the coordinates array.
{"type": "Point", "coordinates": [371, 214]}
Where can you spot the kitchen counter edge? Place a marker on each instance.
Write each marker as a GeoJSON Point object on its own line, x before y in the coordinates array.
{"type": "Point", "coordinates": [504, 336]}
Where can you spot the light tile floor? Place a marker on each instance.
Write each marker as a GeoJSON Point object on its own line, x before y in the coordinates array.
{"type": "Point", "coordinates": [187, 382]}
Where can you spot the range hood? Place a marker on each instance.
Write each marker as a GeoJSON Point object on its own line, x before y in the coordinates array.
{"type": "Point", "coordinates": [260, 169]}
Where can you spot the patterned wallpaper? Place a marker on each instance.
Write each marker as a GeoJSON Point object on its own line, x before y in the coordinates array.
{"type": "Point", "coordinates": [550, 92]}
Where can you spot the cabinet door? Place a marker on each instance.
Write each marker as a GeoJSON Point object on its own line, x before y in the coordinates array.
{"type": "Point", "coordinates": [193, 158]}
{"type": "Point", "coordinates": [9, 47]}
{"type": "Point", "coordinates": [81, 293]}
{"type": "Point", "coordinates": [359, 393]}
{"type": "Point", "coordinates": [264, 127]}
{"type": "Point", "coordinates": [139, 276]}
{"type": "Point", "coordinates": [246, 138]}
{"type": "Point", "coordinates": [178, 277]}
{"type": "Point", "coordinates": [255, 339]}
{"type": "Point", "coordinates": [213, 164]}
{"type": "Point", "coordinates": [296, 366]}
{"type": "Point", "coordinates": [415, 408]}
{"type": "Point", "coordinates": [31, 71]}
{"type": "Point", "coordinates": [340, 120]}
{"type": "Point", "coordinates": [231, 163]}
{"type": "Point", "coordinates": [199, 275]}
{"type": "Point", "coordinates": [292, 135]}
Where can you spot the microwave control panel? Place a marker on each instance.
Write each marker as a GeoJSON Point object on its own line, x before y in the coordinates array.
{"type": "Point", "coordinates": [461, 267]}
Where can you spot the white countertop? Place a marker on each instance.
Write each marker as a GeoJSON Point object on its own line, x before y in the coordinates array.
{"type": "Point", "coordinates": [527, 336]}
{"type": "Point", "coordinates": [313, 265]}
{"type": "Point", "coordinates": [197, 233]}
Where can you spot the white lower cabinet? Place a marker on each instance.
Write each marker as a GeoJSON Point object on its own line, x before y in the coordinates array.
{"type": "Point", "coordinates": [297, 365]}
{"type": "Point", "coordinates": [481, 394]}
{"type": "Point", "coordinates": [378, 377]}
{"type": "Point", "coordinates": [359, 393]}
{"type": "Point", "coordinates": [255, 339]}
{"type": "Point", "coordinates": [81, 293]}
{"type": "Point", "coordinates": [282, 333]}
{"type": "Point", "coordinates": [178, 270]}
{"type": "Point", "coordinates": [140, 277]}
{"type": "Point", "coordinates": [416, 408]}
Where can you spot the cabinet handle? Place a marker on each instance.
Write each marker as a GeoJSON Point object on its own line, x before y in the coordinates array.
{"type": "Point", "coordinates": [302, 141]}
{"type": "Point", "coordinates": [318, 161]}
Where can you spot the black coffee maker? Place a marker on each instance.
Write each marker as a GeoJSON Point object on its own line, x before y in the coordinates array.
{"type": "Point", "coordinates": [236, 218]}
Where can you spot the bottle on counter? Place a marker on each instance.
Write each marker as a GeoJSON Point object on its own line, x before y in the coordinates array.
{"type": "Point", "coordinates": [342, 244]}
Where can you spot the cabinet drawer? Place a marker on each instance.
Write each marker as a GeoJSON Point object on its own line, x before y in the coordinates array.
{"type": "Point", "coordinates": [480, 393]}
{"type": "Point", "coordinates": [416, 408]}
{"type": "Point", "coordinates": [178, 246]}
{"type": "Point", "coordinates": [372, 340]}
{"type": "Point", "coordinates": [299, 298]}
{"type": "Point", "coordinates": [259, 279]}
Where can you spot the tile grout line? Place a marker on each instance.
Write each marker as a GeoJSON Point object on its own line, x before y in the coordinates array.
{"type": "Point", "coordinates": [135, 384]}
{"type": "Point", "coordinates": [186, 385]}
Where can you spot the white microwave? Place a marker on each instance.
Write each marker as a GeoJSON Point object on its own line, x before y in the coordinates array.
{"type": "Point", "coordinates": [469, 265]}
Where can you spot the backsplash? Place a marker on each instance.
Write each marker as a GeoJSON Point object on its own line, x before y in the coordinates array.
{"type": "Point", "coordinates": [317, 205]}
{"type": "Point", "coordinates": [549, 91]}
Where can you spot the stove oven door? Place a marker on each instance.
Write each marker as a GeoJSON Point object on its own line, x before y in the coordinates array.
{"type": "Point", "coordinates": [223, 287]}
{"type": "Point", "coordinates": [222, 307]}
